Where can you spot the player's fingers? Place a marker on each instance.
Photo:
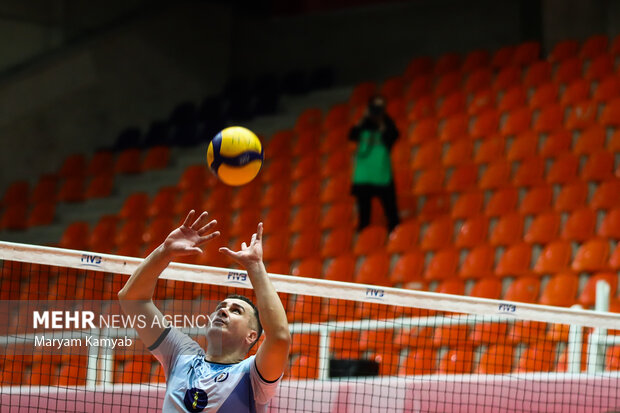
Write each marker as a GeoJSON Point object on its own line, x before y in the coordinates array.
{"type": "Point", "coordinates": [188, 218]}
{"type": "Point", "coordinates": [190, 251]}
{"type": "Point", "coordinates": [207, 227]}
{"type": "Point", "coordinates": [208, 237]}
{"type": "Point", "coordinates": [202, 219]}
{"type": "Point", "coordinates": [259, 232]}
{"type": "Point", "coordinates": [253, 239]}
{"type": "Point", "coordinates": [228, 252]}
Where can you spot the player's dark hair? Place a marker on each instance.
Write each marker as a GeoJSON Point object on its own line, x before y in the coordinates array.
{"type": "Point", "coordinates": [247, 300]}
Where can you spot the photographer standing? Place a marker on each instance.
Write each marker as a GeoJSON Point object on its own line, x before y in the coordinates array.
{"type": "Point", "coordinates": [372, 176]}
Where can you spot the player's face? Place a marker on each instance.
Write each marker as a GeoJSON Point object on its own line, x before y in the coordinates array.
{"type": "Point", "coordinates": [233, 318]}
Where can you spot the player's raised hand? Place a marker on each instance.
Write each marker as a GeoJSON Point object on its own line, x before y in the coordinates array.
{"type": "Point", "coordinates": [189, 237]}
{"type": "Point", "coordinates": [249, 254]}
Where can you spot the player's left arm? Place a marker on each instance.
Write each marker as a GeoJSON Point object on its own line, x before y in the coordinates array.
{"type": "Point", "coordinates": [272, 356]}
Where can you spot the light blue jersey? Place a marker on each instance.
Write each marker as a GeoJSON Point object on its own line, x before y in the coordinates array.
{"type": "Point", "coordinates": [196, 385]}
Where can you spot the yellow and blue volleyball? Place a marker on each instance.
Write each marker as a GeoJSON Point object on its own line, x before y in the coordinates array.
{"type": "Point", "coordinates": [235, 155]}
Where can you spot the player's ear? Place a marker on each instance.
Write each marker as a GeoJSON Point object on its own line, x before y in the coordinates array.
{"type": "Point", "coordinates": [251, 337]}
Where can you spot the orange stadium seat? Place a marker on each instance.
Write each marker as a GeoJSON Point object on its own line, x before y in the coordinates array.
{"type": "Point", "coordinates": [162, 204]}
{"type": "Point", "coordinates": [419, 361]}
{"type": "Point", "coordinates": [310, 119]}
{"type": "Point", "coordinates": [490, 150]}
{"type": "Point", "coordinates": [15, 218]}
{"type": "Point", "coordinates": [557, 142]}
{"type": "Point", "coordinates": [459, 153]}
{"type": "Point", "coordinates": [554, 258]}
{"type": "Point", "coordinates": [526, 53]}
{"type": "Point", "coordinates": [587, 298]}
{"type": "Point", "coordinates": [427, 155]}
{"type": "Point", "coordinates": [577, 91]}
{"type": "Point", "coordinates": [582, 115]}
{"type": "Point", "coordinates": [515, 261]}
{"type": "Point", "coordinates": [477, 80]}
{"type": "Point", "coordinates": [594, 46]}
{"type": "Point", "coordinates": [420, 89]}
{"type": "Point", "coordinates": [451, 286]}
{"type": "Point", "coordinates": [309, 267]}
{"type": "Point", "coordinates": [275, 195]}
{"type": "Point", "coordinates": [496, 359]}
{"type": "Point", "coordinates": [538, 73]}
{"type": "Point", "coordinates": [495, 176]}
{"type": "Point", "coordinates": [41, 214]}
{"type": "Point", "coordinates": [276, 171]}
{"type": "Point", "coordinates": [43, 374]}
{"type": "Point", "coordinates": [611, 113]}
{"type": "Point", "coordinates": [523, 146]}
{"type": "Point", "coordinates": [514, 98]}
{"type": "Point", "coordinates": [304, 367]}
{"type": "Point", "coordinates": [341, 268]}
{"type": "Point", "coordinates": [563, 170]}
{"type": "Point", "coordinates": [489, 287]}
{"type": "Point", "coordinates": [563, 50]}
{"type": "Point", "coordinates": [530, 172]}
{"type": "Point", "coordinates": [16, 193]}
{"type": "Point", "coordinates": [524, 290]}
{"type": "Point", "coordinates": [337, 116]}
{"type": "Point", "coordinates": [598, 167]}
{"type": "Point", "coordinates": [306, 191]}
{"type": "Point", "coordinates": [447, 62]}
{"type": "Point", "coordinates": [475, 59]}
{"type": "Point", "coordinates": [549, 119]}
{"type": "Point", "coordinates": [482, 100]}
{"type": "Point", "coordinates": [454, 127]}
{"type": "Point", "coordinates": [416, 337]}
{"type": "Point", "coordinates": [502, 56]}
{"type": "Point", "coordinates": [591, 256]}
{"type": "Point", "coordinates": [102, 237]}
{"type": "Point", "coordinates": [403, 237]}
{"type": "Point", "coordinates": [392, 87]}
{"type": "Point", "coordinates": [479, 262]}
{"type": "Point", "coordinates": [580, 225]}
{"type": "Point", "coordinates": [447, 83]}
{"type": "Point", "coordinates": [101, 161]}
{"type": "Point", "coordinates": [457, 361]}
{"type": "Point", "coordinates": [538, 357]}
{"type": "Point", "coordinates": [429, 181]}
{"type": "Point", "coordinates": [73, 166]}
{"type": "Point", "coordinates": [606, 195]}
{"type": "Point", "coordinates": [463, 178]}
{"type": "Point", "coordinates": [340, 161]}
{"type": "Point", "coordinates": [536, 200]}
{"type": "Point", "coordinates": [544, 228]}
{"type": "Point", "coordinates": [467, 205]}
{"type": "Point", "coordinates": [276, 246]}
{"type": "Point", "coordinates": [507, 77]}
{"type": "Point", "coordinates": [435, 205]}
{"type": "Point", "coordinates": [422, 65]}
{"type": "Point", "coordinates": [75, 236]}
{"type": "Point", "coordinates": [485, 125]}
{"type": "Point", "coordinates": [244, 225]}
{"type": "Point", "coordinates": [561, 290]}
{"type": "Point", "coordinates": [544, 95]}
{"type": "Point", "coordinates": [568, 70]}
{"type": "Point", "coordinates": [370, 239]}
{"type": "Point", "coordinates": [472, 232]}
{"type": "Point", "coordinates": [361, 93]}
{"type": "Point", "coordinates": [337, 242]}
{"type": "Point", "coordinates": [590, 140]}
{"type": "Point", "coordinates": [128, 161]}
{"type": "Point", "coordinates": [135, 206]}
{"type": "Point", "coordinates": [101, 186]}
{"type": "Point", "coordinates": [156, 158]}
{"type": "Point", "coordinates": [443, 265]}
{"type": "Point", "coordinates": [518, 121]}
{"type": "Point", "coordinates": [615, 46]}
{"type": "Point", "coordinates": [337, 188]}
{"type": "Point", "coordinates": [45, 189]}
{"type": "Point", "coordinates": [508, 229]}
{"type": "Point", "coordinates": [374, 269]}
{"type": "Point", "coordinates": [610, 226]}
{"type": "Point", "coordinates": [408, 269]}
{"type": "Point", "coordinates": [281, 142]}
{"type": "Point", "coordinates": [451, 336]}
{"type": "Point", "coordinates": [246, 196]}
{"type": "Point", "coordinates": [571, 197]}
{"type": "Point", "coordinates": [72, 190]}
{"type": "Point", "coordinates": [438, 234]}
{"type": "Point", "coordinates": [607, 89]}
{"type": "Point", "coordinates": [338, 214]}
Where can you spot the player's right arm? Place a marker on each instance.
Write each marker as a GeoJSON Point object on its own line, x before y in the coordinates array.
{"type": "Point", "coordinates": [136, 296]}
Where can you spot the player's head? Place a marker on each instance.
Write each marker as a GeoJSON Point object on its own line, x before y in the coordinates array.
{"type": "Point", "coordinates": [235, 320]}
{"type": "Point", "coordinates": [376, 106]}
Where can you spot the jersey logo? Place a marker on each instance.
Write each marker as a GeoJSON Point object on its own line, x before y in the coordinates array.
{"type": "Point", "coordinates": [195, 400]}
{"type": "Point", "coordinates": [221, 377]}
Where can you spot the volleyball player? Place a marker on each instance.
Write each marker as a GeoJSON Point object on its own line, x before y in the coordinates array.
{"type": "Point", "coordinates": [220, 377]}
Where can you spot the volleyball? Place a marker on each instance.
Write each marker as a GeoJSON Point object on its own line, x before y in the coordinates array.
{"type": "Point", "coordinates": [235, 155]}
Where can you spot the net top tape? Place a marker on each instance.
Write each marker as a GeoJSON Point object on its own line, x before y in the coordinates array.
{"type": "Point", "coordinates": [314, 287]}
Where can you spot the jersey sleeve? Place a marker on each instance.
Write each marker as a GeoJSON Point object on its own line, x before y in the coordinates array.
{"type": "Point", "coordinates": [170, 345]}
{"type": "Point", "coordinates": [263, 390]}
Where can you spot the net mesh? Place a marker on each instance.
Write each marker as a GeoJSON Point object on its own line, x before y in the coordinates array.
{"type": "Point", "coordinates": [354, 347]}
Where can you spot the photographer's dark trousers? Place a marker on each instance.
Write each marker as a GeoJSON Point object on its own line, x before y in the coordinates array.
{"type": "Point", "coordinates": [387, 196]}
